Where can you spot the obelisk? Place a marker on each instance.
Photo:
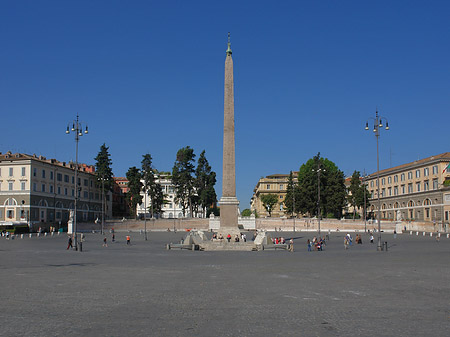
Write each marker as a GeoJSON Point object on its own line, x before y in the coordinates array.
{"type": "Point", "coordinates": [228, 202]}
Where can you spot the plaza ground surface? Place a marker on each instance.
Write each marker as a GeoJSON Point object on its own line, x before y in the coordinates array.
{"type": "Point", "coordinates": [145, 290]}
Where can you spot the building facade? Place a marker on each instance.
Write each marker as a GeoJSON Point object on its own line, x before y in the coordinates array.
{"type": "Point", "coordinates": [41, 191]}
{"type": "Point", "coordinates": [417, 191]}
{"type": "Point", "coordinates": [273, 184]}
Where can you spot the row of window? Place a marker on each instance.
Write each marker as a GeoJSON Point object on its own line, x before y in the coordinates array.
{"type": "Point", "coordinates": [426, 173]}
{"type": "Point", "coordinates": [395, 190]}
{"type": "Point", "coordinates": [59, 176]}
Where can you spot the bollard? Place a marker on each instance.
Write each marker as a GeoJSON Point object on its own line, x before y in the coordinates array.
{"type": "Point", "coordinates": [53, 233]}
{"type": "Point", "coordinates": [448, 235]}
{"type": "Point", "coordinates": [439, 235]}
{"type": "Point", "coordinates": [385, 246]}
{"type": "Point", "coordinates": [410, 232]}
{"type": "Point", "coordinates": [431, 234]}
{"type": "Point", "coordinates": [417, 233]}
{"type": "Point", "coordinates": [423, 233]}
{"type": "Point", "coordinates": [59, 232]}
{"type": "Point", "coordinates": [81, 245]}
{"type": "Point", "coordinates": [31, 235]}
{"type": "Point", "coordinates": [21, 236]}
{"type": "Point", "coordinates": [38, 234]}
{"type": "Point", "coordinates": [45, 234]}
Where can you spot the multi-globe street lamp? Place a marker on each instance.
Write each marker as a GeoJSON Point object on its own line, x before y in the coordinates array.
{"type": "Point", "coordinates": [377, 126]}
{"type": "Point", "coordinates": [318, 170]}
{"type": "Point", "coordinates": [77, 129]}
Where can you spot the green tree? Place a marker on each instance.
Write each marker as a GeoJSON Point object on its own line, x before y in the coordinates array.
{"type": "Point", "coordinates": [269, 201]}
{"type": "Point", "coordinates": [134, 196]}
{"type": "Point", "coordinates": [183, 179]}
{"type": "Point", "coordinates": [246, 212]}
{"type": "Point", "coordinates": [150, 186]}
{"type": "Point", "coordinates": [332, 189]}
{"type": "Point", "coordinates": [204, 183]}
{"type": "Point", "coordinates": [355, 195]}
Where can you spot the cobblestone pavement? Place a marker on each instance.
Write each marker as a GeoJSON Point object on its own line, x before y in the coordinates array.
{"type": "Point", "coordinates": [145, 290]}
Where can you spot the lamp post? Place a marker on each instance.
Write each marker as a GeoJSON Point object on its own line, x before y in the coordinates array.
{"type": "Point", "coordinates": [103, 203]}
{"type": "Point", "coordinates": [318, 170]}
{"type": "Point", "coordinates": [378, 124]}
{"type": "Point", "coordinates": [365, 204]}
{"type": "Point", "coordinates": [77, 128]}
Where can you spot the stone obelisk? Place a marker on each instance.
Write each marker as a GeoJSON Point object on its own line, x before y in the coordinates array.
{"type": "Point", "coordinates": [228, 202]}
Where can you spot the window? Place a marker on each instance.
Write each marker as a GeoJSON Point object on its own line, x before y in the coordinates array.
{"type": "Point", "coordinates": [10, 214]}
{"type": "Point", "coordinates": [389, 191]}
{"type": "Point", "coordinates": [417, 187]}
{"type": "Point", "coordinates": [383, 181]}
{"type": "Point", "coordinates": [395, 190]}
{"type": "Point", "coordinates": [73, 180]}
{"type": "Point", "coordinates": [417, 173]}
{"type": "Point", "coordinates": [59, 190]}
{"type": "Point", "coordinates": [281, 186]}
{"type": "Point", "coordinates": [92, 184]}
{"type": "Point", "coordinates": [43, 174]}
{"type": "Point", "coordinates": [22, 186]}
{"type": "Point", "coordinates": [23, 172]}
{"type": "Point", "coordinates": [11, 171]}
{"type": "Point", "coordinates": [396, 179]}
{"type": "Point", "coordinates": [59, 176]}
{"type": "Point", "coordinates": [51, 175]}
{"type": "Point", "coordinates": [371, 183]}
{"type": "Point", "coordinates": [86, 182]}
{"type": "Point", "coordinates": [281, 197]}
{"type": "Point", "coordinates": [79, 181]}
{"type": "Point", "coordinates": [10, 186]}
{"type": "Point", "coordinates": [389, 180]}
{"type": "Point", "coordinates": [50, 188]}
{"type": "Point", "coordinates": [66, 178]}
{"type": "Point", "coordinates": [65, 190]}
{"type": "Point", "coordinates": [410, 175]}
{"type": "Point", "coordinates": [435, 169]}
{"type": "Point", "coordinates": [85, 194]}
{"type": "Point", "coordinates": [403, 189]}
{"type": "Point", "coordinates": [383, 192]}
{"type": "Point", "coordinates": [426, 185]}
{"type": "Point", "coordinates": [43, 187]}
{"type": "Point", "coordinates": [34, 187]}
{"type": "Point", "coordinates": [402, 177]}
{"type": "Point", "coordinates": [435, 184]}
{"type": "Point", "coordinates": [410, 188]}
{"type": "Point", "coordinates": [35, 172]}
{"type": "Point", "coordinates": [73, 192]}
{"type": "Point", "coordinates": [426, 172]}
{"type": "Point", "coordinates": [268, 186]}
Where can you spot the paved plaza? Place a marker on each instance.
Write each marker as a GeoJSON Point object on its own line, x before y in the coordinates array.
{"type": "Point", "coordinates": [145, 290]}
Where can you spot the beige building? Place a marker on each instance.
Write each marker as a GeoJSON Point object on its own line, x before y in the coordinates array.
{"type": "Point", "coordinates": [417, 191]}
{"type": "Point", "coordinates": [272, 184]}
{"type": "Point", "coordinates": [41, 191]}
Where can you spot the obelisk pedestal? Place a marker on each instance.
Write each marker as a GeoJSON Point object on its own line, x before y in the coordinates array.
{"type": "Point", "coordinates": [228, 202]}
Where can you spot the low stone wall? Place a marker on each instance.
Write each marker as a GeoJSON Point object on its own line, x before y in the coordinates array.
{"type": "Point", "coordinates": [269, 224]}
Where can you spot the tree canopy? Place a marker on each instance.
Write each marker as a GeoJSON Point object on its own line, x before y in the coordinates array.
{"type": "Point", "coordinates": [150, 186]}
{"type": "Point", "coordinates": [134, 196]}
{"type": "Point", "coordinates": [183, 179]}
{"type": "Point", "coordinates": [204, 183]}
{"type": "Point", "coordinates": [321, 171]}
{"type": "Point", "coordinates": [355, 193]}
{"type": "Point", "coordinates": [103, 170]}
{"type": "Point", "coordinates": [268, 201]}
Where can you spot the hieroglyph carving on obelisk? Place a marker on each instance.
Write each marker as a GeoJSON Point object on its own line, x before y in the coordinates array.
{"type": "Point", "coordinates": [228, 202]}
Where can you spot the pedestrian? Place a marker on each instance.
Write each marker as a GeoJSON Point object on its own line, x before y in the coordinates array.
{"type": "Point", "coordinates": [113, 237]}
{"type": "Point", "coordinates": [345, 243]}
{"type": "Point", "coordinates": [69, 243]}
{"type": "Point", "coordinates": [291, 245]}
{"type": "Point", "coordinates": [105, 244]}
{"type": "Point", "coordinates": [309, 245]}
{"type": "Point", "coordinates": [395, 234]}
{"type": "Point", "coordinates": [371, 238]}
{"type": "Point", "coordinates": [128, 240]}
{"type": "Point", "coordinates": [229, 237]}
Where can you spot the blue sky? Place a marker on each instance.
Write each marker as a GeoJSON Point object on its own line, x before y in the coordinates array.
{"type": "Point", "coordinates": [147, 77]}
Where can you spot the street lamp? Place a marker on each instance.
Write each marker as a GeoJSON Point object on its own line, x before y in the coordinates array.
{"type": "Point", "coordinates": [318, 170]}
{"type": "Point", "coordinates": [77, 129]}
{"type": "Point", "coordinates": [365, 203]}
{"type": "Point", "coordinates": [378, 124]}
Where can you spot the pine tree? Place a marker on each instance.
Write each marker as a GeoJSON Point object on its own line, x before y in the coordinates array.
{"type": "Point", "coordinates": [134, 196]}
{"type": "Point", "coordinates": [204, 183]}
{"type": "Point", "coordinates": [182, 178]}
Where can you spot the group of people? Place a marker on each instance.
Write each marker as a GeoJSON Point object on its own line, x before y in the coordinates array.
{"type": "Point", "coordinates": [279, 240]}
{"type": "Point", "coordinates": [317, 243]}
{"type": "Point", "coordinates": [237, 238]}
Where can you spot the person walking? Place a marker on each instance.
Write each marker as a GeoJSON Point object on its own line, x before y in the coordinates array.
{"type": "Point", "coordinates": [291, 245]}
{"type": "Point", "coordinates": [105, 244]}
{"type": "Point", "coordinates": [309, 245]}
{"type": "Point", "coordinates": [128, 240]}
{"type": "Point", "coordinates": [113, 237]}
{"type": "Point", "coordinates": [69, 243]}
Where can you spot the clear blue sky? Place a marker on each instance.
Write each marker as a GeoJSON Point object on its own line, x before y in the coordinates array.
{"type": "Point", "coordinates": [147, 76]}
